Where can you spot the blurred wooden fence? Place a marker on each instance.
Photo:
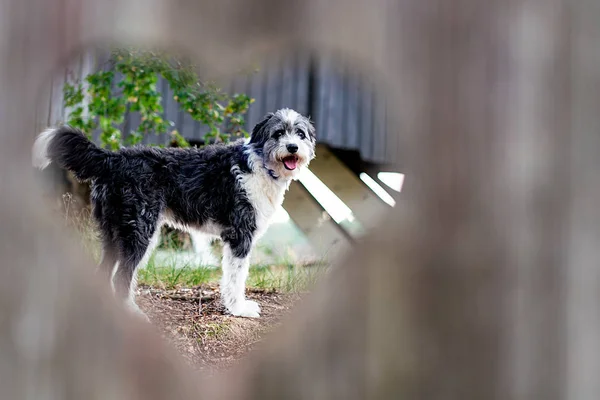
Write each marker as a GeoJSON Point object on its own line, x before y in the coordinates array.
{"type": "Point", "coordinates": [483, 283]}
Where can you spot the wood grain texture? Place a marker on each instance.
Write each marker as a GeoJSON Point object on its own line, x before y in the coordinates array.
{"type": "Point", "coordinates": [483, 281]}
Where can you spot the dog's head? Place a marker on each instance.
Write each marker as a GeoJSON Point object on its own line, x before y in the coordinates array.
{"type": "Point", "coordinates": [286, 141]}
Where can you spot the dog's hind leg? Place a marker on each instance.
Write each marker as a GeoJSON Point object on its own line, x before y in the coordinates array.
{"type": "Point", "coordinates": [134, 253]}
{"type": "Point", "coordinates": [236, 264]}
{"type": "Point", "coordinates": [110, 251]}
{"type": "Point", "coordinates": [110, 257]}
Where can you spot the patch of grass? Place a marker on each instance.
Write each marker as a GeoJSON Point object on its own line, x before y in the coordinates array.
{"type": "Point", "coordinates": [171, 275]}
{"type": "Point", "coordinates": [288, 278]}
{"type": "Point", "coordinates": [213, 330]}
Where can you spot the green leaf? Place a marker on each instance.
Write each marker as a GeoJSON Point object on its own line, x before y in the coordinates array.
{"type": "Point", "coordinates": [136, 88]}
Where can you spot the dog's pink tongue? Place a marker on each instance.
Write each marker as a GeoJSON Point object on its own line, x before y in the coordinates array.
{"type": "Point", "coordinates": [290, 162]}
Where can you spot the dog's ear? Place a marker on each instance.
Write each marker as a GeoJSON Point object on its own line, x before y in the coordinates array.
{"type": "Point", "coordinates": [259, 133]}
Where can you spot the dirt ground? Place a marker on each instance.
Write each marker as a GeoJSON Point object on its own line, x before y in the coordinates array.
{"type": "Point", "coordinates": [209, 339]}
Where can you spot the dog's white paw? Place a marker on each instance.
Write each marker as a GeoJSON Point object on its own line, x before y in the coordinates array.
{"type": "Point", "coordinates": [247, 308]}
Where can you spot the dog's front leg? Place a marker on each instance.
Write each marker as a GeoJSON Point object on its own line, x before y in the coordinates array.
{"type": "Point", "coordinates": [236, 264]}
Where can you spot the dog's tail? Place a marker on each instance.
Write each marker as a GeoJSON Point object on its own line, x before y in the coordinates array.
{"type": "Point", "coordinates": [70, 149]}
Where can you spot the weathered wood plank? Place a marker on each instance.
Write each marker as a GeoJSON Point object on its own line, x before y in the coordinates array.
{"type": "Point", "coordinates": [325, 236]}
{"type": "Point", "coordinates": [366, 119]}
{"type": "Point", "coordinates": [352, 111]}
{"type": "Point", "coordinates": [302, 82]}
{"type": "Point", "coordinates": [57, 112]}
{"type": "Point", "coordinates": [42, 110]}
{"type": "Point", "coordinates": [482, 285]}
{"type": "Point", "coordinates": [366, 206]}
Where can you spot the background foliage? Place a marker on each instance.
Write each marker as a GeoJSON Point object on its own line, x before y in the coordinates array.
{"type": "Point", "coordinates": [104, 108]}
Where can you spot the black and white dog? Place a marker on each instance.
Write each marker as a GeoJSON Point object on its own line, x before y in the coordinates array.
{"type": "Point", "coordinates": [230, 191]}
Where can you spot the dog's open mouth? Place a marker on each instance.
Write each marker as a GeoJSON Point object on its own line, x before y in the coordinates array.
{"type": "Point", "coordinates": [290, 162]}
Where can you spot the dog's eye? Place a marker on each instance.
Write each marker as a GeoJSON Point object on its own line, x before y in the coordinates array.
{"type": "Point", "coordinates": [301, 134]}
{"type": "Point", "coordinates": [278, 134]}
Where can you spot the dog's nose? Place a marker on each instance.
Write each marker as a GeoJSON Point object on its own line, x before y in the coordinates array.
{"type": "Point", "coordinates": [292, 148]}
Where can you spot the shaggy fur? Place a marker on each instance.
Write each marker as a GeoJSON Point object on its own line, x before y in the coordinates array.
{"type": "Point", "coordinates": [230, 191]}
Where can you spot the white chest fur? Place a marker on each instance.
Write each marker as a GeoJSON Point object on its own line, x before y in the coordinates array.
{"type": "Point", "coordinates": [265, 194]}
